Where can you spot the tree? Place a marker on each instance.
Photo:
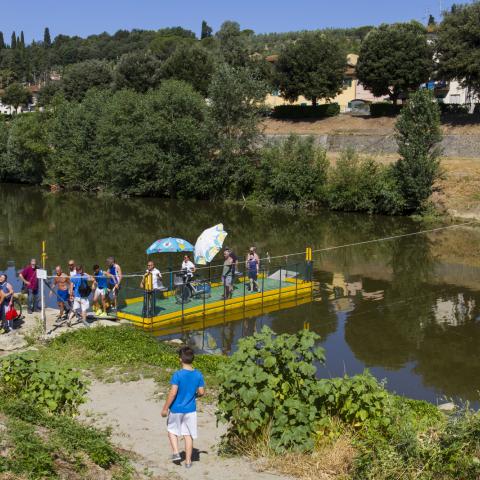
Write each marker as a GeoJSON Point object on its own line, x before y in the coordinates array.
{"type": "Point", "coordinates": [27, 149]}
{"type": "Point", "coordinates": [47, 40]}
{"type": "Point", "coordinates": [233, 45]}
{"type": "Point", "coordinates": [418, 135]}
{"type": "Point", "coordinates": [314, 67]}
{"type": "Point", "coordinates": [395, 59]}
{"type": "Point", "coordinates": [176, 32]}
{"type": "Point", "coordinates": [154, 143]}
{"type": "Point", "coordinates": [7, 76]}
{"type": "Point", "coordinates": [206, 30]}
{"type": "Point", "coordinates": [15, 95]}
{"type": "Point", "coordinates": [22, 40]}
{"type": "Point", "coordinates": [2, 41]}
{"type": "Point", "coordinates": [164, 46]}
{"type": "Point", "coordinates": [13, 42]}
{"type": "Point", "coordinates": [80, 77]}
{"type": "Point", "coordinates": [137, 71]}
{"type": "Point", "coordinates": [457, 46]}
{"type": "Point", "coordinates": [190, 63]}
{"type": "Point", "coordinates": [48, 92]}
{"type": "Point", "coordinates": [236, 104]}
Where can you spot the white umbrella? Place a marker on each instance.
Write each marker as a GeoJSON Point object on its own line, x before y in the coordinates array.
{"type": "Point", "coordinates": [209, 243]}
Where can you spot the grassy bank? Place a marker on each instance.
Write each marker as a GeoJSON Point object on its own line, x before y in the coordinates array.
{"type": "Point", "coordinates": [41, 390]}
{"type": "Point", "coordinates": [277, 411]}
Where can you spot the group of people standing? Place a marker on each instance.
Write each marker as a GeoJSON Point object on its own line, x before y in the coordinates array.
{"type": "Point", "coordinates": [230, 268]}
{"type": "Point", "coordinates": [72, 290]}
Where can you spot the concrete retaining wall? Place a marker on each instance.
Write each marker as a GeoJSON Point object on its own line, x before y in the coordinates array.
{"type": "Point", "coordinates": [467, 146]}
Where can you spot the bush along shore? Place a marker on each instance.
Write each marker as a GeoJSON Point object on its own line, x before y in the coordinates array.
{"type": "Point", "coordinates": [170, 143]}
{"type": "Point", "coordinates": [277, 411]}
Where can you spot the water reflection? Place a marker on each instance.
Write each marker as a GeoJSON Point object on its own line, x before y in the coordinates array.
{"type": "Point", "coordinates": [408, 309]}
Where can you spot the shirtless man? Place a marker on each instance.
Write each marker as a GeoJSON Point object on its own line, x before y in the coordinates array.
{"type": "Point", "coordinates": [61, 283]}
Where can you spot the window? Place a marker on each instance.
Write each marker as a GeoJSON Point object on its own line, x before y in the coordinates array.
{"type": "Point", "coordinates": [347, 82]}
{"type": "Point", "coordinates": [455, 99]}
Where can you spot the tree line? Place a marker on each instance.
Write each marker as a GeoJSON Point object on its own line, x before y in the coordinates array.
{"type": "Point", "coordinates": [169, 142]}
{"type": "Point", "coordinates": [394, 60]}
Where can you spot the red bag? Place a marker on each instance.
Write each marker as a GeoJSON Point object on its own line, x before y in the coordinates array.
{"type": "Point", "coordinates": [12, 314]}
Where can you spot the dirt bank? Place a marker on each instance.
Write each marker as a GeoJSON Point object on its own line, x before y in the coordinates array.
{"type": "Point", "coordinates": [365, 125]}
{"type": "Point", "coordinates": [133, 409]}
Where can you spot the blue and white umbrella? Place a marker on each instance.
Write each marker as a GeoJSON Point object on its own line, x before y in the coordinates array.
{"type": "Point", "coordinates": [209, 243]}
{"type": "Point", "coordinates": [170, 245]}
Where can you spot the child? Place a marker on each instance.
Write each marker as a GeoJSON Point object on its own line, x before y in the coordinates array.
{"type": "Point", "coordinates": [187, 385]}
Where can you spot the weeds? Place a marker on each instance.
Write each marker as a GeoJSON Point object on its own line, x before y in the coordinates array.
{"type": "Point", "coordinates": [120, 353]}
{"type": "Point", "coordinates": [350, 427]}
{"type": "Point", "coordinates": [38, 442]}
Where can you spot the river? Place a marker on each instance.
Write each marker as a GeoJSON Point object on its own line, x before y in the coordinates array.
{"type": "Point", "coordinates": [407, 309]}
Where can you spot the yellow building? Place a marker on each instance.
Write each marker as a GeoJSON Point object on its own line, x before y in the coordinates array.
{"type": "Point", "coordinates": [349, 92]}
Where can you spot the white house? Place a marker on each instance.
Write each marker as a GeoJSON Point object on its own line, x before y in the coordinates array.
{"type": "Point", "coordinates": [459, 95]}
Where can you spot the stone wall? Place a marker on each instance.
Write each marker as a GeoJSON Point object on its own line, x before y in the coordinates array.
{"type": "Point", "coordinates": [467, 146]}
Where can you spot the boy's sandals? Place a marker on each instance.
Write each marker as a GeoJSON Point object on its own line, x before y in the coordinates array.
{"type": "Point", "coordinates": [176, 457]}
{"type": "Point", "coordinates": [188, 465]}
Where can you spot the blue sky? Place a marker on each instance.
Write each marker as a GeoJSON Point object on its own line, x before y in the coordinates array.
{"type": "Point", "coordinates": [84, 17]}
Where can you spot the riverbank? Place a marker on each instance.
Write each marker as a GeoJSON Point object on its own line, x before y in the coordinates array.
{"type": "Point", "coordinates": [129, 371]}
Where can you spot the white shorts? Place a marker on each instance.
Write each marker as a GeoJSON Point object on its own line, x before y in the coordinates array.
{"type": "Point", "coordinates": [81, 303]}
{"type": "Point", "coordinates": [182, 424]}
{"type": "Point", "coordinates": [100, 292]}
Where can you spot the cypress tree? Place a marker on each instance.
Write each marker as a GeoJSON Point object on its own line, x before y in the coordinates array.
{"type": "Point", "coordinates": [22, 40]}
{"type": "Point", "coordinates": [2, 41]}
{"type": "Point", "coordinates": [206, 30]}
{"type": "Point", "coordinates": [47, 40]}
{"type": "Point", "coordinates": [13, 43]}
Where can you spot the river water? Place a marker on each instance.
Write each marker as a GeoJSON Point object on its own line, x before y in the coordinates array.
{"type": "Point", "coordinates": [407, 309]}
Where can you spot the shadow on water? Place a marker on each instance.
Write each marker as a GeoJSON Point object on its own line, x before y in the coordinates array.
{"type": "Point", "coordinates": [408, 309]}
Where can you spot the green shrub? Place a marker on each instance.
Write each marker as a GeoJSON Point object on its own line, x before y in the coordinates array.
{"type": "Point", "coordinates": [53, 388]}
{"type": "Point", "coordinates": [293, 171]}
{"type": "Point", "coordinates": [298, 112]}
{"type": "Point", "coordinates": [420, 442]}
{"type": "Point", "coordinates": [363, 185]}
{"type": "Point", "coordinates": [418, 134]}
{"type": "Point", "coordinates": [453, 109]}
{"type": "Point", "coordinates": [270, 382]}
{"type": "Point", "coordinates": [355, 400]}
{"type": "Point", "coordinates": [384, 109]}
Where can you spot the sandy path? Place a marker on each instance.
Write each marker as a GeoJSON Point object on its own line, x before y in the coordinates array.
{"type": "Point", "coordinates": [133, 412]}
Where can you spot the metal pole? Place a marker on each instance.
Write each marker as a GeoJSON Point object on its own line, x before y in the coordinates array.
{"type": "Point", "coordinates": [263, 286]}
{"type": "Point", "coordinates": [42, 287]}
{"type": "Point", "coordinates": [280, 290]}
{"type": "Point", "coordinates": [42, 299]}
{"type": "Point", "coordinates": [204, 295]}
{"type": "Point", "coordinates": [296, 281]}
{"type": "Point", "coordinates": [244, 293]}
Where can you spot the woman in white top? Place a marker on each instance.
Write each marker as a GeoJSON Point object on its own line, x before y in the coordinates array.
{"type": "Point", "coordinates": [188, 268]}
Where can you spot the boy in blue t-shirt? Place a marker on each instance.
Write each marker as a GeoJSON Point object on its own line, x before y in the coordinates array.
{"type": "Point", "coordinates": [187, 385]}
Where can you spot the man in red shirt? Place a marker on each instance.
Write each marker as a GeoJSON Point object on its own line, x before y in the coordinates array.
{"type": "Point", "coordinates": [29, 278]}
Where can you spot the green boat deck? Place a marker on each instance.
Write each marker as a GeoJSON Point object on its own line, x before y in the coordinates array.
{"type": "Point", "coordinates": [167, 304]}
